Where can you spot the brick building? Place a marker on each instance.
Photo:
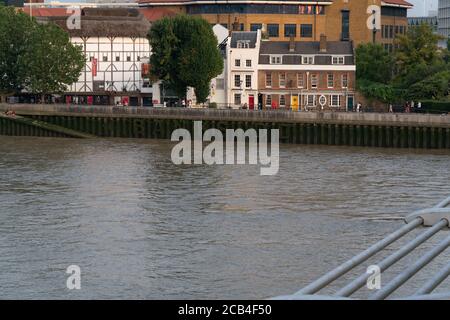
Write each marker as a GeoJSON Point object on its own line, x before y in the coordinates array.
{"type": "Point", "coordinates": [339, 20]}
{"type": "Point", "coordinates": [306, 75]}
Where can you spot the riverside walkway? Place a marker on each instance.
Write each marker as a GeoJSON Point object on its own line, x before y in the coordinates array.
{"type": "Point", "coordinates": [325, 128]}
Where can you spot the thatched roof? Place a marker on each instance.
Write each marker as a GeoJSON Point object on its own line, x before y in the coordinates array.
{"type": "Point", "coordinates": [105, 22]}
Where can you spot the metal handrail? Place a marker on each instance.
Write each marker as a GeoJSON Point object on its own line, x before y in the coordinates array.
{"type": "Point", "coordinates": [436, 218]}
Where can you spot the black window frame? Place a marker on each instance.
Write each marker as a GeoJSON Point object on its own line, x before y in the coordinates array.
{"type": "Point", "coordinates": [293, 32]}
{"type": "Point", "coordinates": [276, 27]}
{"type": "Point", "coordinates": [304, 27]}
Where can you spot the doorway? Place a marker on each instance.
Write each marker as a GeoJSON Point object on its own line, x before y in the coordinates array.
{"type": "Point", "coordinates": [251, 102]}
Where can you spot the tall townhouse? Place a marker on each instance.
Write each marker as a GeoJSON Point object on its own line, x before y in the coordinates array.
{"type": "Point", "coordinates": [242, 69]}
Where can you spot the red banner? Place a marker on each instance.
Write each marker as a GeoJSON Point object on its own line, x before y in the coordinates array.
{"type": "Point", "coordinates": [145, 70]}
{"type": "Point", "coordinates": [94, 67]}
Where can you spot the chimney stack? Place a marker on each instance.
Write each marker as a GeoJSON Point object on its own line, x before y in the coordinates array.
{"type": "Point", "coordinates": [291, 44]}
{"type": "Point", "coordinates": [323, 43]}
{"type": "Point", "coordinates": [236, 25]}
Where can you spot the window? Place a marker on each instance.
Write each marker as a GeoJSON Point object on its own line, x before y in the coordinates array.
{"type": "Point", "coordinates": [248, 81]}
{"type": "Point", "coordinates": [282, 80]}
{"type": "Point", "coordinates": [146, 84]}
{"type": "Point", "coordinates": [91, 58]}
{"type": "Point", "coordinates": [290, 30]}
{"type": "Point", "coordinates": [345, 27]}
{"type": "Point", "coordinates": [338, 60]}
{"type": "Point", "coordinates": [307, 59]}
{"type": "Point", "coordinates": [282, 100]}
{"type": "Point", "coordinates": [314, 81]}
{"type": "Point", "coordinates": [255, 26]}
{"type": "Point", "coordinates": [237, 80]}
{"type": "Point", "coordinates": [306, 30]}
{"type": "Point", "coordinates": [275, 59]}
{"type": "Point", "coordinates": [273, 30]}
{"type": "Point", "coordinates": [117, 58]}
{"type": "Point", "coordinates": [335, 100]}
{"type": "Point", "coordinates": [105, 58]}
{"type": "Point", "coordinates": [243, 44]}
{"type": "Point", "coordinates": [138, 58]}
{"type": "Point", "coordinates": [311, 100]}
{"type": "Point", "coordinates": [220, 84]}
{"type": "Point", "coordinates": [344, 81]}
{"type": "Point", "coordinates": [382, 31]}
{"type": "Point", "coordinates": [300, 80]}
{"type": "Point", "coordinates": [330, 80]}
{"type": "Point", "coordinates": [268, 100]}
{"type": "Point", "coordinates": [268, 80]}
{"type": "Point", "coordinates": [237, 99]}
{"type": "Point", "coordinates": [128, 58]}
{"type": "Point", "coordinates": [237, 63]}
{"type": "Point", "coordinates": [248, 63]}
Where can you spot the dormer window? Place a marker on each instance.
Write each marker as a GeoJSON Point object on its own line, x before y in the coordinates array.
{"type": "Point", "coordinates": [243, 44]}
{"type": "Point", "coordinates": [338, 60]}
{"type": "Point", "coordinates": [275, 59]}
{"type": "Point", "coordinates": [308, 60]}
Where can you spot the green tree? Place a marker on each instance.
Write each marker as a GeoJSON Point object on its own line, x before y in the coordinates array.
{"type": "Point", "coordinates": [373, 63]}
{"type": "Point", "coordinates": [185, 53]}
{"type": "Point", "coordinates": [419, 46]}
{"type": "Point", "coordinates": [421, 69]}
{"type": "Point", "coordinates": [53, 63]}
{"type": "Point", "coordinates": [34, 57]}
{"type": "Point", "coordinates": [435, 87]}
{"type": "Point", "coordinates": [16, 29]}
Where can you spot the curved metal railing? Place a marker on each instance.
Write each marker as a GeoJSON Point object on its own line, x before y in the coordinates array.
{"type": "Point", "coordinates": [435, 219]}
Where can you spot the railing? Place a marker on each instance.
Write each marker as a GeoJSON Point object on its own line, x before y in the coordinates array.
{"type": "Point", "coordinates": [435, 219]}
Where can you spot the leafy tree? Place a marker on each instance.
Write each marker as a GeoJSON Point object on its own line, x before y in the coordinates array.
{"type": "Point", "coordinates": [37, 58]}
{"type": "Point", "coordinates": [377, 91]}
{"type": "Point", "coordinates": [435, 87]}
{"type": "Point", "coordinates": [16, 29]}
{"type": "Point", "coordinates": [53, 62]}
{"type": "Point", "coordinates": [421, 71]}
{"type": "Point", "coordinates": [163, 43]}
{"type": "Point", "coordinates": [373, 63]}
{"type": "Point", "coordinates": [185, 53]}
{"type": "Point", "coordinates": [418, 47]}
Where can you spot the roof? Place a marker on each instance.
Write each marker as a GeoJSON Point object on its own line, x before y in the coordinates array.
{"type": "Point", "coordinates": [247, 36]}
{"type": "Point", "coordinates": [105, 22]}
{"type": "Point", "coordinates": [400, 3]}
{"type": "Point", "coordinates": [310, 47]}
{"type": "Point", "coordinates": [47, 12]}
{"type": "Point", "coordinates": [154, 14]}
{"type": "Point", "coordinates": [183, 2]}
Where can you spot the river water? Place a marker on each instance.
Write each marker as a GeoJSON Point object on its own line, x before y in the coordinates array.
{"type": "Point", "coordinates": [140, 227]}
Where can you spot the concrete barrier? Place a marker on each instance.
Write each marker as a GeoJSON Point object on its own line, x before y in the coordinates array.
{"type": "Point", "coordinates": [385, 119]}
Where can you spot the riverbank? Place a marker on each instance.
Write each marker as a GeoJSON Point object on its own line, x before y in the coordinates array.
{"type": "Point", "coordinates": [326, 128]}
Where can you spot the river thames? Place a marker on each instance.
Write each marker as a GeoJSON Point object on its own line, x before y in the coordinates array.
{"type": "Point", "coordinates": [141, 227]}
